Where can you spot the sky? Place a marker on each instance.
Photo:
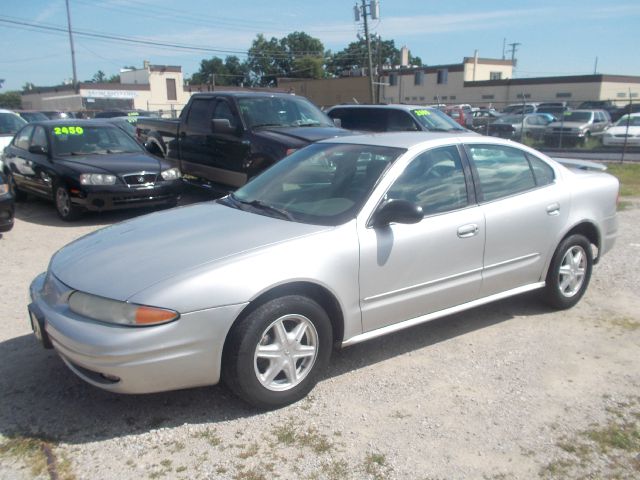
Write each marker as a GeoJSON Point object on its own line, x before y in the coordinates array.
{"type": "Point", "coordinates": [556, 37]}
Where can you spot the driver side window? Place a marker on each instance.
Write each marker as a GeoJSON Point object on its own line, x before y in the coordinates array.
{"type": "Point", "coordinates": [434, 180]}
{"type": "Point", "coordinates": [223, 110]}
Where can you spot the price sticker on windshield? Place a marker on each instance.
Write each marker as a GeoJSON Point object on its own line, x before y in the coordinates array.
{"type": "Point", "coordinates": [422, 113]}
{"type": "Point", "coordinates": [68, 130]}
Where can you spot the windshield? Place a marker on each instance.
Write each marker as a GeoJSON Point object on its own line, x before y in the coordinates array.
{"type": "Point", "coordinates": [322, 184]}
{"type": "Point", "coordinates": [91, 140]}
{"type": "Point", "coordinates": [432, 119]}
{"type": "Point", "coordinates": [281, 111]}
{"type": "Point", "coordinates": [10, 123]}
{"type": "Point", "coordinates": [633, 121]}
{"type": "Point", "coordinates": [577, 116]}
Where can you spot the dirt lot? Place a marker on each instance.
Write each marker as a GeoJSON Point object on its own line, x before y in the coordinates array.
{"type": "Point", "coordinates": [507, 391]}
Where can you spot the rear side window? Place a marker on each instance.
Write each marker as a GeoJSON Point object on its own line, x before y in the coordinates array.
{"type": "Point", "coordinates": [365, 119]}
{"type": "Point", "coordinates": [198, 112]}
{"type": "Point", "coordinates": [542, 171]}
{"type": "Point", "coordinates": [502, 171]}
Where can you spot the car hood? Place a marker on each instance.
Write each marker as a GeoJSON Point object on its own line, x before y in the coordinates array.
{"type": "Point", "coordinates": [288, 135]}
{"type": "Point", "coordinates": [117, 163]}
{"type": "Point", "coordinates": [126, 258]}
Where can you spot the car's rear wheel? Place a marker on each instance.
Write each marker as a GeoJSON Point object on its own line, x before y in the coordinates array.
{"type": "Point", "coordinates": [569, 273]}
{"type": "Point", "coordinates": [275, 354]}
{"type": "Point", "coordinates": [18, 195]}
{"type": "Point", "coordinates": [67, 211]}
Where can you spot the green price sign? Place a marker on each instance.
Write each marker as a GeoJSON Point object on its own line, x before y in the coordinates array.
{"type": "Point", "coordinates": [68, 130]}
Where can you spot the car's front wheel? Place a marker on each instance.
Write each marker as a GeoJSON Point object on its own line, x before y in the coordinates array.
{"type": "Point", "coordinates": [67, 211]}
{"type": "Point", "coordinates": [18, 194]}
{"type": "Point", "coordinates": [569, 272]}
{"type": "Point", "coordinates": [275, 354]}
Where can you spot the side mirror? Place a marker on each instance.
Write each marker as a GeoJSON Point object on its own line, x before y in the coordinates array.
{"type": "Point", "coordinates": [397, 211]}
{"type": "Point", "coordinates": [222, 125]}
{"type": "Point", "coordinates": [38, 150]}
{"type": "Point", "coordinates": [337, 122]}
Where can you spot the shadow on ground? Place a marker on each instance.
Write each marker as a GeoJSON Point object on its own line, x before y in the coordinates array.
{"type": "Point", "coordinates": [41, 397]}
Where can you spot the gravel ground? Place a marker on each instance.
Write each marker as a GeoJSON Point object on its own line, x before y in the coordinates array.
{"type": "Point", "coordinates": [507, 391]}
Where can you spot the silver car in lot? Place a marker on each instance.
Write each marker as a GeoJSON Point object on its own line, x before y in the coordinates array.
{"type": "Point", "coordinates": [577, 126]}
{"type": "Point", "coordinates": [345, 240]}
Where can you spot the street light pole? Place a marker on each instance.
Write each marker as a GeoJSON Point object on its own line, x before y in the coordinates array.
{"type": "Point", "coordinates": [366, 35]}
{"type": "Point", "coordinates": [73, 53]}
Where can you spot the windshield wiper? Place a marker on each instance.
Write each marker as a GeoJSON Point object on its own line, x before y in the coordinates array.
{"type": "Point", "coordinates": [260, 205]}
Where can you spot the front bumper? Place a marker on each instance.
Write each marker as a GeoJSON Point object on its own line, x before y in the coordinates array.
{"type": "Point", "coordinates": [620, 141]}
{"type": "Point", "coordinates": [118, 197]}
{"type": "Point", "coordinates": [181, 354]}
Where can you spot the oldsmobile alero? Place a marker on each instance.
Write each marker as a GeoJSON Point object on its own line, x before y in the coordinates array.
{"type": "Point", "coordinates": [342, 241]}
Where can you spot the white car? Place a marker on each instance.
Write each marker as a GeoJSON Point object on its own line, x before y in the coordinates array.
{"type": "Point", "coordinates": [10, 123]}
{"type": "Point", "coordinates": [626, 128]}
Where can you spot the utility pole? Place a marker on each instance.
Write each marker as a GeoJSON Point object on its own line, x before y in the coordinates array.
{"type": "Point", "coordinates": [368, 9]}
{"type": "Point", "coordinates": [514, 48]}
{"type": "Point", "coordinates": [73, 53]}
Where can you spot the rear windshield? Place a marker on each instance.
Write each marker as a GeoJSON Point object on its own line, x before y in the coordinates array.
{"type": "Point", "coordinates": [577, 116]}
{"type": "Point", "coordinates": [10, 123]}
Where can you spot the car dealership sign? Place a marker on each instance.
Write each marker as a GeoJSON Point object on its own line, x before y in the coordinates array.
{"type": "Point", "coordinates": [110, 93]}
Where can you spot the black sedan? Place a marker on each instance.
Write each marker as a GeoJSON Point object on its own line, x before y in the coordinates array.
{"type": "Point", "coordinates": [87, 165]}
{"type": "Point", "coordinates": [6, 206]}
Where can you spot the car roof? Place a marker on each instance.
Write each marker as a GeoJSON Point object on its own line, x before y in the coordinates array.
{"type": "Point", "coordinates": [411, 139]}
{"type": "Point", "coordinates": [387, 106]}
{"type": "Point", "coordinates": [4, 110]}
{"type": "Point", "coordinates": [74, 122]}
{"type": "Point", "coordinates": [235, 93]}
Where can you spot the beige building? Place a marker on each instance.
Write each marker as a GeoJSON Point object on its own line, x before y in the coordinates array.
{"type": "Point", "coordinates": [152, 87]}
{"type": "Point", "coordinates": [476, 81]}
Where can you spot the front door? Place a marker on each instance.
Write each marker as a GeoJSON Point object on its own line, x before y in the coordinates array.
{"type": "Point", "coordinates": [407, 271]}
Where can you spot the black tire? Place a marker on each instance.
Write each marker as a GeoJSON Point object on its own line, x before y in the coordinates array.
{"type": "Point", "coordinates": [246, 373]}
{"type": "Point", "coordinates": [18, 195]}
{"type": "Point", "coordinates": [67, 211]}
{"type": "Point", "coordinates": [569, 273]}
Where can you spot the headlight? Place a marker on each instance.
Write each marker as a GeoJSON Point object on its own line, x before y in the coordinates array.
{"type": "Point", "coordinates": [121, 313]}
{"type": "Point", "coordinates": [170, 174]}
{"type": "Point", "coordinates": [97, 179]}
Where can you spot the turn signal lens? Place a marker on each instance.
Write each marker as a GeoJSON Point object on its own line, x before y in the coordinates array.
{"type": "Point", "coordinates": [153, 316]}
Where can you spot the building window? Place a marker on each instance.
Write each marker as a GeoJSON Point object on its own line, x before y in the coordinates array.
{"type": "Point", "coordinates": [393, 79]}
{"type": "Point", "coordinates": [421, 99]}
{"type": "Point", "coordinates": [634, 95]}
{"type": "Point", "coordinates": [563, 95]}
{"type": "Point", "coordinates": [523, 95]}
{"type": "Point", "coordinates": [495, 75]}
{"type": "Point", "coordinates": [419, 78]}
{"type": "Point", "coordinates": [171, 89]}
{"type": "Point", "coordinates": [621, 95]}
{"type": "Point", "coordinates": [407, 99]}
{"type": "Point", "coordinates": [452, 97]}
{"type": "Point", "coordinates": [444, 97]}
{"type": "Point", "coordinates": [443, 76]}
{"type": "Point", "coordinates": [488, 97]}
{"type": "Point", "coordinates": [414, 99]}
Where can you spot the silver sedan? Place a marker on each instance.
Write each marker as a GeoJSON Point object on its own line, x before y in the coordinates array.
{"type": "Point", "coordinates": [343, 241]}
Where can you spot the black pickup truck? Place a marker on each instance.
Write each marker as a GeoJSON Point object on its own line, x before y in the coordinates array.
{"type": "Point", "coordinates": [225, 138]}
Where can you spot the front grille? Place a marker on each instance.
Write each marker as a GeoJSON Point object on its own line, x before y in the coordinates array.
{"type": "Point", "coordinates": [137, 179]}
{"type": "Point", "coordinates": [141, 199]}
{"type": "Point", "coordinates": [562, 130]}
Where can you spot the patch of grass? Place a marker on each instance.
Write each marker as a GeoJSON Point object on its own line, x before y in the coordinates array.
{"type": "Point", "coordinates": [336, 470]}
{"type": "Point", "coordinates": [629, 176]}
{"type": "Point", "coordinates": [625, 323]}
{"type": "Point", "coordinates": [400, 415]}
{"type": "Point", "coordinates": [181, 469]}
{"type": "Point", "coordinates": [37, 454]}
{"type": "Point", "coordinates": [285, 433]}
{"type": "Point", "coordinates": [250, 451]}
{"type": "Point", "coordinates": [210, 436]}
{"type": "Point", "coordinates": [252, 474]}
{"type": "Point", "coordinates": [609, 450]}
{"type": "Point", "coordinates": [375, 465]}
{"type": "Point", "coordinates": [288, 434]}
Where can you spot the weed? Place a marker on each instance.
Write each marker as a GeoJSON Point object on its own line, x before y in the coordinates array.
{"type": "Point", "coordinates": [285, 433]}
{"type": "Point", "coordinates": [375, 465]}
{"type": "Point", "coordinates": [252, 474]}
{"type": "Point", "coordinates": [250, 451]}
{"type": "Point", "coordinates": [210, 436]}
{"type": "Point", "coordinates": [37, 454]}
{"type": "Point", "coordinates": [336, 470]}
{"type": "Point", "coordinates": [181, 469]}
{"type": "Point", "coordinates": [625, 323]}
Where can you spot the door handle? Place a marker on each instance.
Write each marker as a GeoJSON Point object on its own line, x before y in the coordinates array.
{"type": "Point", "coordinates": [553, 209]}
{"type": "Point", "coordinates": [467, 231]}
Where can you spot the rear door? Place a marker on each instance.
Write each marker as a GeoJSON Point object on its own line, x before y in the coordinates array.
{"type": "Point", "coordinates": [524, 209]}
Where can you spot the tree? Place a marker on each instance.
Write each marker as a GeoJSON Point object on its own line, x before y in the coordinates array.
{"type": "Point", "coordinates": [99, 77]}
{"type": "Point", "coordinates": [11, 100]}
{"type": "Point", "coordinates": [265, 61]}
{"type": "Point", "coordinates": [113, 79]}
{"type": "Point", "coordinates": [216, 72]}
{"type": "Point", "coordinates": [383, 52]}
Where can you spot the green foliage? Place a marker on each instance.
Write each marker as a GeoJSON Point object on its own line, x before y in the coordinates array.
{"type": "Point", "coordinates": [215, 71]}
{"type": "Point", "coordinates": [629, 176]}
{"type": "Point", "coordinates": [10, 100]}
